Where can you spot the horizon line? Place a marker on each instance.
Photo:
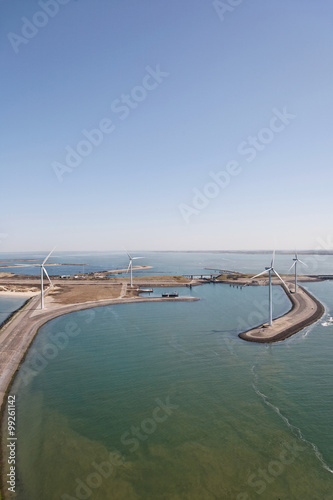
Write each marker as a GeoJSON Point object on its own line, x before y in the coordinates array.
{"type": "Point", "coordinates": [327, 251]}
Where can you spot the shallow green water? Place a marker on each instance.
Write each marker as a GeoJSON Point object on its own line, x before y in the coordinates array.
{"type": "Point", "coordinates": [194, 412]}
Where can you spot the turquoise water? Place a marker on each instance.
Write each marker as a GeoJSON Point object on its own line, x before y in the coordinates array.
{"type": "Point", "coordinates": [8, 305]}
{"type": "Point", "coordinates": [194, 412]}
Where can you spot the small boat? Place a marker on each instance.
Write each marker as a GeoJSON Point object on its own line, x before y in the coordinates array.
{"type": "Point", "coordinates": [170, 294]}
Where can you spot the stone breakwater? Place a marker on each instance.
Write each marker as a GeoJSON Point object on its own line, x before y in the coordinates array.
{"type": "Point", "coordinates": [305, 310]}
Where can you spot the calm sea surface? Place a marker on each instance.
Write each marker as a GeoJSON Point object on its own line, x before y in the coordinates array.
{"type": "Point", "coordinates": [166, 262]}
{"type": "Point", "coordinates": [164, 401]}
{"type": "Point", "coordinates": [8, 305]}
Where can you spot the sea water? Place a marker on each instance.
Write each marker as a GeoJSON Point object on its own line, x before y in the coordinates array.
{"type": "Point", "coordinates": [164, 263]}
{"type": "Point", "coordinates": [164, 401]}
{"type": "Point", "coordinates": [8, 305]}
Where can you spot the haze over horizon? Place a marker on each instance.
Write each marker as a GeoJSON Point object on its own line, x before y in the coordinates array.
{"type": "Point", "coordinates": [57, 253]}
{"type": "Point", "coordinates": [165, 126]}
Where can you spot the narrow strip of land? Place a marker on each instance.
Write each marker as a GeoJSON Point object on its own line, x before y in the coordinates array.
{"type": "Point", "coordinates": [305, 310]}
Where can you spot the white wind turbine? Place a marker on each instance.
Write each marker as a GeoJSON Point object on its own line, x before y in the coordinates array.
{"type": "Point", "coordinates": [296, 259]}
{"type": "Point", "coordinates": [269, 270]}
{"type": "Point", "coordinates": [130, 265]}
{"type": "Point", "coordinates": [42, 271]}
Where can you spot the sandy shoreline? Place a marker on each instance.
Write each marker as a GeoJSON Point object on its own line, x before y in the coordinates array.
{"type": "Point", "coordinates": [12, 294]}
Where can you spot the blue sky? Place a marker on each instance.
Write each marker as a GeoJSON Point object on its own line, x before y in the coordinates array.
{"type": "Point", "coordinates": [180, 91]}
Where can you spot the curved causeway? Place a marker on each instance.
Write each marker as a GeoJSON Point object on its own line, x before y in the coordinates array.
{"type": "Point", "coordinates": [306, 309]}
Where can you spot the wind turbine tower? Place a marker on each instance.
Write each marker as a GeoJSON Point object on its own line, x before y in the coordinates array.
{"type": "Point", "coordinates": [130, 265]}
{"type": "Point", "coordinates": [270, 270]}
{"type": "Point", "coordinates": [42, 271]}
{"type": "Point", "coordinates": [296, 259]}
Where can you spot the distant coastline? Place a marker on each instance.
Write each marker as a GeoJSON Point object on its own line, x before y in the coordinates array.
{"type": "Point", "coordinates": [252, 252]}
{"type": "Point", "coordinates": [278, 252]}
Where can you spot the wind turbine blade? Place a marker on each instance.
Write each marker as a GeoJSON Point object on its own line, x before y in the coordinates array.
{"type": "Point", "coordinates": [129, 265]}
{"type": "Point", "coordinates": [135, 258]}
{"type": "Point", "coordinates": [264, 272]}
{"type": "Point", "coordinates": [277, 274]}
{"type": "Point", "coordinates": [48, 256]}
{"type": "Point", "coordinates": [127, 253]}
{"type": "Point", "coordinates": [302, 263]}
{"type": "Point", "coordinates": [290, 268]}
{"type": "Point", "coordinates": [273, 258]}
{"type": "Point", "coordinates": [48, 277]}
